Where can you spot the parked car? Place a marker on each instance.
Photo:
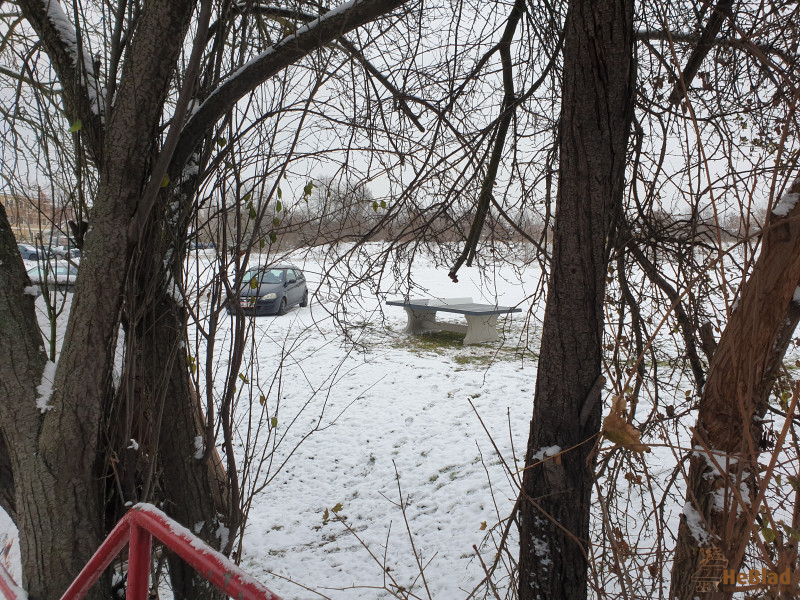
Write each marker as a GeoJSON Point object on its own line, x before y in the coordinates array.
{"type": "Point", "coordinates": [58, 274]}
{"type": "Point", "coordinates": [271, 290]}
{"type": "Point", "coordinates": [29, 252]}
{"type": "Point", "coordinates": [64, 251]}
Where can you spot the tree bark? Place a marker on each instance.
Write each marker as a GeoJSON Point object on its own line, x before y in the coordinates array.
{"type": "Point", "coordinates": [597, 105]}
{"type": "Point", "coordinates": [59, 497]}
{"type": "Point", "coordinates": [192, 484]}
{"type": "Point", "coordinates": [7, 501]}
{"type": "Point", "coordinates": [729, 426]}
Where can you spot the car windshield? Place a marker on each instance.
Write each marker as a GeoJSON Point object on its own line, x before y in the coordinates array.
{"type": "Point", "coordinates": [266, 276]}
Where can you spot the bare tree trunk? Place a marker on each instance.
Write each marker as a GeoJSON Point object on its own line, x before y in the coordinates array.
{"type": "Point", "coordinates": [194, 481]}
{"type": "Point", "coordinates": [729, 425]}
{"type": "Point", "coordinates": [159, 391]}
{"type": "Point", "coordinates": [597, 105]}
{"type": "Point", "coordinates": [57, 456]}
{"type": "Point", "coordinates": [22, 362]}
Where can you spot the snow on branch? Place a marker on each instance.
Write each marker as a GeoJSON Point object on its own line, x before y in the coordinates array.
{"type": "Point", "coordinates": [73, 65]}
{"type": "Point", "coordinates": [67, 33]}
{"type": "Point", "coordinates": [785, 205]}
{"type": "Point", "coordinates": [316, 34]}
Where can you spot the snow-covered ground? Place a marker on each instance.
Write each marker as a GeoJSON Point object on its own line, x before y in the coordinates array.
{"type": "Point", "coordinates": [388, 405]}
{"type": "Point", "coordinates": [391, 405]}
{"type": "Point", "coordinates": [349, 424]}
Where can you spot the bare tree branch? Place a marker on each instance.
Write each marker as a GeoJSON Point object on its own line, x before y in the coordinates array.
{"type": "Point", "coordinates": [718, 14]}
{"type": "Point", "coordinates": [73, 67]}
{"type": "Point", "coordinates": [289, 50]}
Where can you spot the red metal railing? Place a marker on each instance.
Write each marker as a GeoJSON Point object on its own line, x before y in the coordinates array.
{"type": "Point", "coordinates": [9, 589]}
{"type": "Point", "coordinates": [138, 527]}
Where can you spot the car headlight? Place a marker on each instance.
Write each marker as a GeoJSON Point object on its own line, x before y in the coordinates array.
{"type": "Point", "coordinates": [269, 296]}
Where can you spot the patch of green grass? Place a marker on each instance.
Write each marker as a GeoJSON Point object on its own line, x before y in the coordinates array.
{"type": "Point", "coordinates": [451, 344]}
{"type": "Point", "coordinates": [430, 341]}
{"type": "Point", "coordinates": [790, 366]}
{"type": "Point", "coordinates": [474, 359]}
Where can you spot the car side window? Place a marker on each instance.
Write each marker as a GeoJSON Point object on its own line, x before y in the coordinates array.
{"type": "Point", "coordinates": [290, 275]}
{"type": "Point", "coordinates": [300, 276]}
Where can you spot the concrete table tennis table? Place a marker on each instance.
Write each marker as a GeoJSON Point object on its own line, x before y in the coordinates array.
{"type": "Point", "coordinates": [481, 318]}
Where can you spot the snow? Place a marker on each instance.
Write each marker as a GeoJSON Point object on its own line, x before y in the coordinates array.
{"type": "Point", "coordinates": [223, 535]}
{"type": "Point", "coordinates": [200, 447]}
{"type": "Point", "coordinates": [695, 523]}
{"type": "Point", "coordinates": [722, 459]}
{"type": "Point", "coordinates": [545, 452]}
{"type": "Point", "coordinates": [32, 290]}
{"type": "Point", "coordinates": [66, 31]}
{"type": "Point", "coordinates": [785, 205]}
{"type": "Point", "coordinates": [134, 445]}
{"type": "Point", "coordinates": [284, 41]}
{"type": "Point", "coordinates": [387, 404]}
{"type": "Point", "coordinates": [45, 388]}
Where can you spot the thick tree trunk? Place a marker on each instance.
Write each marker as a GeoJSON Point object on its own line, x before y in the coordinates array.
{"type": "Point", "coordinates": [192, 482]}
{"type": "Point", "coordinates": [159, 393]}
{"type": "Point", "coordinates": [57, 474]}
{"type": "Point", "coordinates": [596, 112]}
{"type": "Point", "coordinates": [22, 362]}
{"type": "Point", "coordinates": [729, 425]}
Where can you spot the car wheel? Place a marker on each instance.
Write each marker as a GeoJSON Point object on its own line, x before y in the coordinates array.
{"type": "Point", "coordinates": [283, 306]}
{"type": "Point", "coordinates": [32, 257]}
{"type": "Point", "coordinates": [304, 301]}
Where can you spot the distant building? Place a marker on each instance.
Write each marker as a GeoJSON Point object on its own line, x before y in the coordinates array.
{"type": "Point", "coordinates": [37, 220]}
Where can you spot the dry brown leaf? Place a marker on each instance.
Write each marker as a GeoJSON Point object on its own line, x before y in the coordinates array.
{"type": "Point", "coordinates": [617, 429]}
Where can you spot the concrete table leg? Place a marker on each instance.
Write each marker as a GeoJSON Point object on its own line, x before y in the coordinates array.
{"type": "Point", "coordinates": [419, 321]}
{"type": "Point", "coordinates": [481, 328]}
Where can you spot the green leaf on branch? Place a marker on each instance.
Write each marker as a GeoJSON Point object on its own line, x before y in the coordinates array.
{"type": "Point", "coordinates": [165, 181]}
{"type": "Point", "coordinates": [273, 238]}
{"type": "Point", "coordinates": [274, 422]}
{"type": "Point", "coordinates": [276, 221]}
{"type": "Point", "coordinates": [76, 126]}
{"type": "Point", "coordinates": [279, 206]}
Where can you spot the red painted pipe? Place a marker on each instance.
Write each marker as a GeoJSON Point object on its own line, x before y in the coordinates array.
{"type": "Point", "coordinates": [139, 563]}
{"type": "Point", "coordinates": [139, 526]}
{"type": "Point", "coordinates": [8, 588]}
{"type": "Point", "coordinates": [99, 562]}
